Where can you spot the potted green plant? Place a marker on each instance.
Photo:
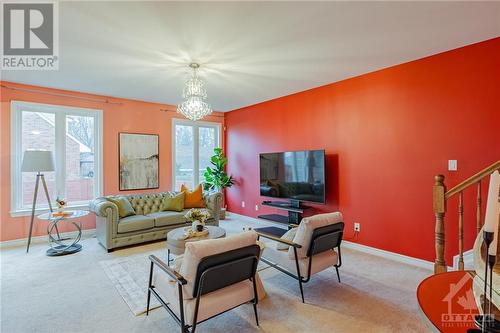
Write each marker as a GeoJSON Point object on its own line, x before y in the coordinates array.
{"type": "Point", "coordinates": [216, 178]}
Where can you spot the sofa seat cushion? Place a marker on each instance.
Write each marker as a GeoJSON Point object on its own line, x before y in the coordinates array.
{"type": "Point", "coordinates": [135, 223]}
{"type": "Point", "coordinates": [211, 304]}
{"type": "Point", "coordinates": [166, 218]}
{"type": "Point", "coordinates": [320, 261]}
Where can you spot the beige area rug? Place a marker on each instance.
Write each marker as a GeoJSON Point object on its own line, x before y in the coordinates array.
{"type": "Point", "coordinates": [130, 277]}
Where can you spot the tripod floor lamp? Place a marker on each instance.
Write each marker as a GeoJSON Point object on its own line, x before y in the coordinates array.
{"type": "Point", "coordinates": [38, 161]}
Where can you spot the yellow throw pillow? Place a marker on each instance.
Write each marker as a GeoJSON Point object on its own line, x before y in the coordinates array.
{"type": "Point", "coordinates": [124, 207]}
{"type": "Point", "coordinates": [173, 202]}
{"type": "Point", "coordinates": [193, 199]}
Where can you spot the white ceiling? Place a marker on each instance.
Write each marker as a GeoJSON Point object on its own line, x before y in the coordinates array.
{"type": "Point", "coordinates": [252, 51]}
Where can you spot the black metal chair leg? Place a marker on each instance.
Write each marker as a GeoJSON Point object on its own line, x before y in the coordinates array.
{"type": "Point", "coordinates": [147, 306]}
{"type": "Point", "coordinates": [301, 290]}
{"type": "Point", "coordinates": [149, 287]}
{"type": "Point", "coordinates": [299, 277]}
{"type": "Point", "coordinates": [255, 311]}
{"type": "Point", "coordinates": [338, 275]}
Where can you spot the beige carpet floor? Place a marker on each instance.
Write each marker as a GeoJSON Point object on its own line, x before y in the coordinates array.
{"type": "Point", "coordinates": [73, 294]}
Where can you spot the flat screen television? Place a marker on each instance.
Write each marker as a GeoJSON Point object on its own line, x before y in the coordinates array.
{"type": "Point", "coordinates": [294, 175]}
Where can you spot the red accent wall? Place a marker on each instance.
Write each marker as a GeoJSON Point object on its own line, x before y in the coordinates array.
{"type": "Point", "coordinates": [386, 135]}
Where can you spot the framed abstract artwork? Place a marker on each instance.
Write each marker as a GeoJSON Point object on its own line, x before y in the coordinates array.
{"type": "Point", "coordinates": [139, 161]}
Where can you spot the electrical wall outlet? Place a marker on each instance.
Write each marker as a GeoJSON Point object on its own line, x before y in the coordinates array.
{"type": "Point", "coordinates": [243, 204]}
{"type": "Point", "coordinates": [256, 207]}
{"type": "Point", "coordinates": [356, 227]}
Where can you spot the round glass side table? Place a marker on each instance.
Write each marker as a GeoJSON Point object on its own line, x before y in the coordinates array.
{"type": "Point", "coordinates": [58, 246]}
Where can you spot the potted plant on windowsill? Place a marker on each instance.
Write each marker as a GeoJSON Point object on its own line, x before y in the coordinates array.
{"type": "Point", "coordinates": [216, 178]}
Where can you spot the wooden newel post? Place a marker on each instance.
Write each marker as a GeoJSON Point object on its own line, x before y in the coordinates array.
{"type": "Point", "coordinates": [439, 205]}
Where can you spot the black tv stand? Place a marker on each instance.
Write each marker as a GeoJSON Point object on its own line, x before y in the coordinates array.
{"type": "Point", "coordinates": [293, 207]}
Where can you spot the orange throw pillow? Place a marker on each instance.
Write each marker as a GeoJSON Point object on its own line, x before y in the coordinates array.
{"type": "Point", "coordinates": [193, 199]}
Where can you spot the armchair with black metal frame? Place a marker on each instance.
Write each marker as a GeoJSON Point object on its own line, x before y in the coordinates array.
{"type": "Point", "coordinates": [214, 273]}
{"type": "Point", "coordinates": [323, 239]}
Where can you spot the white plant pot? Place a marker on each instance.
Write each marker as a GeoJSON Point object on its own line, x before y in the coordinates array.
{"type": "Point", "coordinates": [195, 225]}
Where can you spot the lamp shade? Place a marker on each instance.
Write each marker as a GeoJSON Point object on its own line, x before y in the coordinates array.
{"type": "Point", "coordinates": [37, 161]}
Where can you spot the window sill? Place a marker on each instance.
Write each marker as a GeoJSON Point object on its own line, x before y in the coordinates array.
{"type": "Point", "coordinates": [41, 210]}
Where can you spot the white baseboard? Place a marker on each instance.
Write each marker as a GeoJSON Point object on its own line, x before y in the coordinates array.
{"type": "Point", "coordinates": [370, 250]}
{"type": "Point", "coordinates": [87, 233]}
{"type": "Point", "coordinates": [390, 255]}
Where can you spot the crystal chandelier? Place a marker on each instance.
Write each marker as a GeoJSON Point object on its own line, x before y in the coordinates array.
{"type": "Point", "coordinates": [194, 106]}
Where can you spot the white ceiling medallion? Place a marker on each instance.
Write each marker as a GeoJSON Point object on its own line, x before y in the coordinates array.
{"type": "Point", "coordinates": [194, 106]}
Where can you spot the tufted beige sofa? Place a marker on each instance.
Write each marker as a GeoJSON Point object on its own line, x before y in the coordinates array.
{"type": "Point", "coordinates": [148, 224]}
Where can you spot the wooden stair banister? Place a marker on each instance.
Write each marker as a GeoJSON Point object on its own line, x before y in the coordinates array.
{"type": "Point", "coordinates": [473, 180]}
{"type": "Point", "coordinates": [440, 197]}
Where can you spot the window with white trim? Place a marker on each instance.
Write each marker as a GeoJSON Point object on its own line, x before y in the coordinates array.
{"type": "Point", "coordinates": [74, 136]}
{"type": "Point", "coordinates": [193, 145]}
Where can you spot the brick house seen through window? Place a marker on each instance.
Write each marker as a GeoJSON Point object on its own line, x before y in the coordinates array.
{"type": "Point", "coordinates": [73, 137]}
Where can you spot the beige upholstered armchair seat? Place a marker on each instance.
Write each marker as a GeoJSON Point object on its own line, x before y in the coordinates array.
{"type": "Point", "coordinates": [210, 304]}
{"type": "Point", "coordinates": [148, 224]}
{"type": "Point", "coordinates": [321, 261]}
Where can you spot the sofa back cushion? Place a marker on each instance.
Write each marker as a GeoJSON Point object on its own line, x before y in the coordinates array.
{"type": "Point", "coordinates": [193, 199]}
{"type": "Point", "coordinates": [306, 228]}
{"type": "Point", "coordinates": [174, 202]}
{"type": "Point", "coordinates": [124, 207]}
{"type": "Point", "coordinates": [195, 251]}
{"type": "Point", "coordinates": [147, 203]}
